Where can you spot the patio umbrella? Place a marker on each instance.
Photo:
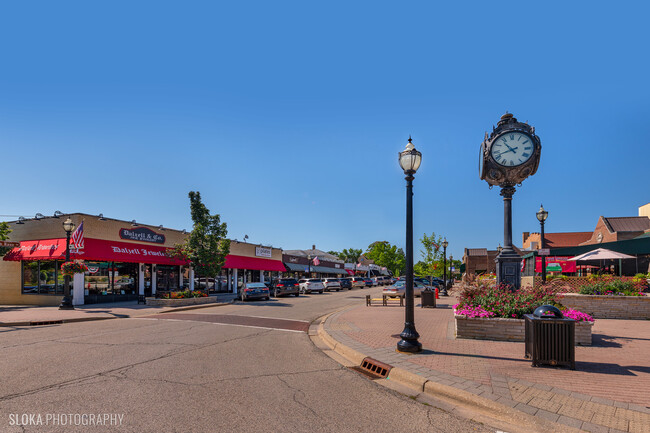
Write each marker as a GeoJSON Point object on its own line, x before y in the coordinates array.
{"type": "Point", "coordinates": [601, 254]}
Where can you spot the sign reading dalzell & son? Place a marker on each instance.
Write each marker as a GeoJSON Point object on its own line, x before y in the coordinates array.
{"type": "Point", "coordinates": [142, 234]}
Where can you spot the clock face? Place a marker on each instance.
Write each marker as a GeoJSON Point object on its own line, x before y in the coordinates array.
{"type": "Point", "coordinates": [512, 149]}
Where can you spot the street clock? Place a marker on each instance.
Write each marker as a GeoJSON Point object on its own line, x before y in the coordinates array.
{"type": "Point", "coordinates": [510, 153]}
{"type": "Point", "coordinates": [507, 157]}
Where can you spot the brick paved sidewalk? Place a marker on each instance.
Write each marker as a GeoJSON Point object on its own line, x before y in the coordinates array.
{"type": "Point", "coordinates": [608, 391]}
{"type": "Point", "coordinates": [21, 315]}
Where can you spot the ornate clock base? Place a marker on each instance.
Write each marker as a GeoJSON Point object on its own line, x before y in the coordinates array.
{"type": "Point", "coordinates": [509, 269]}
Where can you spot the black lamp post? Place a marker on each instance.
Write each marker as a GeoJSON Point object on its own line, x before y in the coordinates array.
{"type": "Point", "coordinates": [451, 274]}
{"type": "Point", "coordinates": [409, 160]}
{"type": "Point", "coordinates": [309, 263]}
{"type": "Point", "coordinates": [541, 216]}
{"type": "Point", "coordinates": [66, 302]}
{"type": "Point", "coordinates": [445, 244]}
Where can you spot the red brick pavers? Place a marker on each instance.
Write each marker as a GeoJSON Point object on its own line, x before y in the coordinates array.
{"type": "Point", "coordinates": [610, 386]}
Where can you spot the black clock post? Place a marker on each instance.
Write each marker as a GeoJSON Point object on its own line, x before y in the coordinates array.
{"type": "Point", "coordinates": [508, 156]}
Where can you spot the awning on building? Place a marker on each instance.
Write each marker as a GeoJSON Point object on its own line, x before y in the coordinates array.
{"type": "Point", "coordinates": [327, 270]}
{"type": "Point", "coordinates": [297, 267]}
{"type": "Point", "coordinates": [253, 263]}
{"type": "Point", "coordinates": [94, 249]}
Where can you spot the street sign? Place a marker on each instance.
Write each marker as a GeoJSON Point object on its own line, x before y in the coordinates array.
{"type": "Point", "coordinates": [9, 244]}
{"type": "Point", "coordinates": [544, 251]}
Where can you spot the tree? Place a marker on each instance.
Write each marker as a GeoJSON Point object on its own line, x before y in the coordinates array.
{"type": "Point", "coordinates": [432, 260]}
{"type": "Point", "coordinates": [387, 255]}
{"type": "Point", "coordinates": [206, 247]}
{"type": "Point", "coordinates": [350, 255]}
{"type": "Point", "coordinates": [4, 235]}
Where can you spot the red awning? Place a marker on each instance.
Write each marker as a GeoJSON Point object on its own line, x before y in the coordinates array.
{"type": "Point", "coordinates": [253, 263]}
{"type": "Point", "coordinates": [45, 249]}
{"type": "Point", "coordinates": [349, 271]}
{"type": "Point", "coordinates": [94, 249]}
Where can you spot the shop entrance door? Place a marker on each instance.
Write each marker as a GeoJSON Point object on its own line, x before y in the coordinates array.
{"type": "Point", "coordinates": [166, 278]}
{"type": "Point", "coordinates": [147, 280]}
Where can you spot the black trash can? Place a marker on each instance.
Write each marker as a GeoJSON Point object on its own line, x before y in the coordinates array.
{"type": "Point", "coordinates": [550, 338]}
{"type": "Point", "coordinates": [428, 298]}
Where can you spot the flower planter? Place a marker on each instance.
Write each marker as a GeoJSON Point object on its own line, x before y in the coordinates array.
{"type": "Point", "coordinates": [500, 329]}
{"type": "Point", "coordinates": [609, 307]}
{"type": "Point", "coordinates": [153, 302]}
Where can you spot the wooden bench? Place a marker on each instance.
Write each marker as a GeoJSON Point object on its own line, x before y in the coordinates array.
{"type": "Point", "coordinates": [384, 301]}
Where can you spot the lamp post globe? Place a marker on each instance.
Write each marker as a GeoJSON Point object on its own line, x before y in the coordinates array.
{"type": "Point", "coordinates": [541, 217]}
{"type": "Point", "coordinates": [66, 301]}
{"type": "Point", "coordinates": [409, 160]}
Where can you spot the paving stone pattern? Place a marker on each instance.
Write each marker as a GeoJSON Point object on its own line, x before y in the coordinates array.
{"type": "Point", "coordinates": [607, 392]}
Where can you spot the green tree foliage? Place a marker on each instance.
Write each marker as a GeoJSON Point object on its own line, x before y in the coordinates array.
{"type": "Point", "coordinates": [385, 254]}
{"type": "Point", "coordinates": [206, 247]}
{"type": "Point", "coordinates": [432, 260]}
{"type": "Point", "coordinates": [350, 255]}
{"type": "Point", "coordinates": [4, 235]}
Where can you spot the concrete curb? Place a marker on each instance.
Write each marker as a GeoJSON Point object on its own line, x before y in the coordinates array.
{"type": "Point", "coordinates": [456, 396]}
{"type": "Point", "coordinates": [93, 319]}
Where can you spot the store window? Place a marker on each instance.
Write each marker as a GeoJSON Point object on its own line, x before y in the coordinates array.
{"type": "Point", "coordinates": [109, 278]}
{"type": "Point", "coordinates": [166, 278]}
{"type": "Point", "coordinates": [42, 277]}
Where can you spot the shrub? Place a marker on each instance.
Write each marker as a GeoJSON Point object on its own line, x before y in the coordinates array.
{"type": "Point", "coordinates": [501, 301]}
{"type": "Point", "coordinates": [185, 294]}
{"type": "Point", "coordinates": [622, 287]}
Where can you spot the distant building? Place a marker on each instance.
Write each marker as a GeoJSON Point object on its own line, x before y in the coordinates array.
{"type": "Point", "coordinates": [532, 241]}
{"type": "Point", "coordinates": [614, 229]}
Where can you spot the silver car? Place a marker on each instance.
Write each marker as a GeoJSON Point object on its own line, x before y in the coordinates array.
{"type": "Point", "coordinates": [309, 285]}
{"type": "Point", "coordinates": [332, 284]}
{"type": "Point", "coordinates": [399, 289]}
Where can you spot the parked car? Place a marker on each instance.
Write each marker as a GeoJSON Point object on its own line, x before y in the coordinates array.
{"type": "Point", "coordinates": [332, 284]}
{"type": "Point", "coordinates": [346, 283]}
{"type": "Point", "coordinates": [309, 285]}
{"type": "Point", "coordinates": [399, 289]}
{"type": "Point", "coordinates": [284, 286]}
{"type": "Point", "coordinates": [358, 282]}
{"type": "Point", "coordinates": [368, 282]}
{"type": "Point", "coordinates": [254, 291]}
{"type": "Point", "coordinates": [376, 281]}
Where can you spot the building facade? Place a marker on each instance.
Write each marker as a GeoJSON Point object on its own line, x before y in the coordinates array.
{"type": "Point", "coordinates": [125, 259]}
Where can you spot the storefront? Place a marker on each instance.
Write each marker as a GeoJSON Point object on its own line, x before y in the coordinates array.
{"type": "Point", "coordinates": [124, 259]}
{"type": "Point", "coordinates": [312, 264]}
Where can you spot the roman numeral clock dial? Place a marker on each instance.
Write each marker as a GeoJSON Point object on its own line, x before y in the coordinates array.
{"type": "Point", "coordinates": [512, 149]}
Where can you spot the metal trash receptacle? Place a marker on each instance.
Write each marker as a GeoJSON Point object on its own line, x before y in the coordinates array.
{"type": "Point", "coordinates": [428, 298]}
{"type": "Point", "coordinates": [550, 338]}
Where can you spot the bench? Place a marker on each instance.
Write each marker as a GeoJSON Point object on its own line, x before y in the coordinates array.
{"type": "Point", "coordinates": [384, 300]}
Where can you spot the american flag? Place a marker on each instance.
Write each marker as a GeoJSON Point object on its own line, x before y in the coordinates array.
{"type": "Point", "coordinates": [78, 237]}
{"type": "Point", "coordinates": [435, 245]}
{"type": "Point", "coordinates": [316, 261]}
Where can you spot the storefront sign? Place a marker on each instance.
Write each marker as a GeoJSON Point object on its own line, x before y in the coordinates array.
{"type": "Point", "coordinates": [9, 244]}
{"type": "Point", "coordinates": [142, 234]}
{"type": "Point", "coordinates": [262, 252]}
{"type": "Point", "coordinates": [544, 251]}
{"type": "Point", "coordinates": [556, 264]}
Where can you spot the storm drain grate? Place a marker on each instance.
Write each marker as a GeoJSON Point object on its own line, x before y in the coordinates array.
{"type": "Point", "coordinates": [47, 322]}
{"type": "Point", "coordinates": [376, 367]}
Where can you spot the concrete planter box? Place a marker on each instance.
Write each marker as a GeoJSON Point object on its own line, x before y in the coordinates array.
{"type": "Point", "coordinates": [500, 329]}
{"type": "Point", "coordinates": [609, 307]}
{"type": "Point", "coordinates": [180, 302]}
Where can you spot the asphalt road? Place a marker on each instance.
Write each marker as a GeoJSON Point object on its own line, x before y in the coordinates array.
{"type": "Point", "coordinates": [243, 367]}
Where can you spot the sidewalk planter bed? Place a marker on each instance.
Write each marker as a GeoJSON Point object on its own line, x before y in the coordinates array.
{"type": "Point", "coordinates": [153, 302]}
{"type": "Point", "coordinates": [500, 329]}
{"type": "Point", "coordinates": [608, 306]}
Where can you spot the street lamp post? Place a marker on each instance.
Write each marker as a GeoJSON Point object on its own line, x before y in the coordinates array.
{"type": "Point", "coordinates": [66, 302]}
{"type": "Point", "coordinates": [445, 244]}
{"type": "Point", "coordinates": [309, 263]}
{"type": "Point", "coordinates": [451, 274]}
{"type": "Point", "coordinates": [409, 160]}
{"type": "Point", "coordinates": [541, 216]}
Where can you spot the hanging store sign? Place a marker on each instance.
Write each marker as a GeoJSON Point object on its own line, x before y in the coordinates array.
{"type": "Point", "coordinates": [142, 234]}
{"type": "Point", "coordinates": [262, 252]}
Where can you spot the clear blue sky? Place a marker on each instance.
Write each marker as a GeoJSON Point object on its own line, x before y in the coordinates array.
{"type": "Point", "coordinates": [288, 116]}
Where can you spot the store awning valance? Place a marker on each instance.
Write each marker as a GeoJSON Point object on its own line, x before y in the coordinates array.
{"type": "Point", "coordinates": [253, 263]}
{"type": "Point", "coordinates": [296, 267]}
{"type": "Point", "coordinates": [95, 250]}
{"type": "Point", "coordinates": [326, 270]}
